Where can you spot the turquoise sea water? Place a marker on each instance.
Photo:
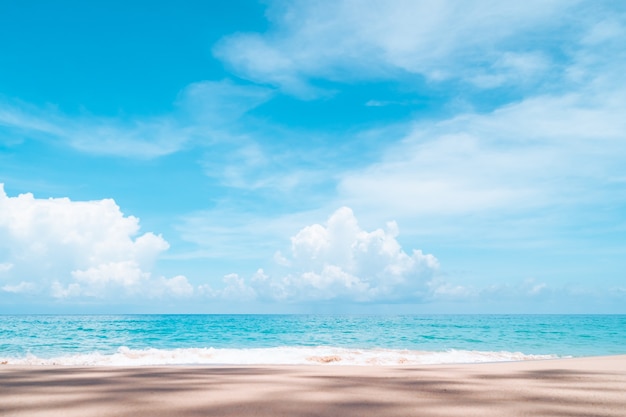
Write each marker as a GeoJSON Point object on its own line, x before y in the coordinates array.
{"type": "Point", "coordinates": [302, 339]}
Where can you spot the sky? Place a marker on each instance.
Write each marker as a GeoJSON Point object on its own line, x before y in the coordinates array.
{"type": "Point", "coordinates": [398, 156]}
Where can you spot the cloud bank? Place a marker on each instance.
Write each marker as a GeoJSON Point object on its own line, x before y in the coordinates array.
{"type": "Point", "coordinates": [77, 252]}
{"type": "Point", "coordinates": [66, 249]}
{"type": "Point", "coordinates": [89, 250]}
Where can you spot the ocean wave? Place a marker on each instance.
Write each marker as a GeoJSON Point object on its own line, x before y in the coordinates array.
{"type": "Point", "coordinates": [125, 356]}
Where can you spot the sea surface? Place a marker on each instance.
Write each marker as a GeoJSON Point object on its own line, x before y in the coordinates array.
{"type": "Point", "coordinates": [122, 340]}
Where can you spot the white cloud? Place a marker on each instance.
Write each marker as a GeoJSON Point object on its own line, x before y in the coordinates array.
{"type": "Point", "coordinates": [218, 103]}
{"type": "Point", "coordinates": [512, 68]}
{"type": "Point", "coordinates": [177, 286]}
{"type": "Point", "coordinates": [22, 287]}
{"type": "Point", "coordinates": [448, 291]}
{"type": "Point", "coordinates": [235, 290]}
{"type": "Point", "coordinates": [249, 166]}
{"type": "Point", "coordinates": [606, 30]}
{"type": "Point", "coordinates": [527, 289]}
{"type": "Point", "coordinates": [125, 274]}
{"type": "Point", "coordinates": [77, 248]}
{"type": "Point", "coordinates": [144, 138]}
{"type": "Point", "coordinates": [533, 288]}
{"type": "Point", "coordinates": [209, 116]}
{"type": "Point", "coordinates": [60, 292]}
{"type": "Point", "coordinates": [204, 114]}
{"type": "Point", "coordinates": [347, 39]}
{"type": "Point", "coordinates": [5, 267]}
{"type": "Point", "coordinates": [339, 260]}
{"type": "Point", "coordinates": [543, 151]}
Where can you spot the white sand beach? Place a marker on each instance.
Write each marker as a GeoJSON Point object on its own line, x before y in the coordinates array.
{"type": "Point", "coordinates": [564, 387]}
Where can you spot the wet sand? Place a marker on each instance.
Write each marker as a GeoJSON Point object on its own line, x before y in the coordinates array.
{"type": "Point", "coordinates": [565, 387]}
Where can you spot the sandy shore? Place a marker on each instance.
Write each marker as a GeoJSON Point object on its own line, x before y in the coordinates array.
{"type": "Point", "coordinates": [569, 387]}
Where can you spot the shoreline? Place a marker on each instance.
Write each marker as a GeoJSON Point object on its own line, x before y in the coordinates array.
{"type": "Point", "coordinates": [589, 386]}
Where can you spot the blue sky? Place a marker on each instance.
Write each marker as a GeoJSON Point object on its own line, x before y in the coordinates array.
{"type": "Point", "coordinates": [326, 156]}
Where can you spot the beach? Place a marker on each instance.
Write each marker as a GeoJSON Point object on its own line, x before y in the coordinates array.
{"type": "Point", "coordinates": [594, 386]}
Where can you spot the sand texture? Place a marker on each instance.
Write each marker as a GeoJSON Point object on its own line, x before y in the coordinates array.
{"type": "Point", "coordinates": [567, 387]}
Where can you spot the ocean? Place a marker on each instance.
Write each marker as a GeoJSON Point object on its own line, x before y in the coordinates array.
{"type": "Point", "coordinates": [127, 340]}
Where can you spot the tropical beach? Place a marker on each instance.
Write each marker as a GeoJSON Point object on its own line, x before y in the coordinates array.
{"type": "Point", "coordinates": [305, 365]}
{"type": "Point", "coordinates": [312, 365]}
{"type": "Point", "coordinates": [312, 208]}
{"type": "Point", "coordinates": [563, 387]}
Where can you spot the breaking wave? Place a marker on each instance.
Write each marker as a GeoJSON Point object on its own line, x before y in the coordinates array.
{"type": "Point", "coordinates": [125, 356]}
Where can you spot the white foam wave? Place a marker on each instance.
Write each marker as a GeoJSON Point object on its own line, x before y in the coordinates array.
{"type": "Point", "coordinates": [274, 356]}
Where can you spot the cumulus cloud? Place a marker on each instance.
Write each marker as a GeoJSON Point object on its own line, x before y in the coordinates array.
{"type": "Point", "coordinates": [177, 286]}
{"type": "Point", "coordinates": [64, 248]}
{"type": "Point", "coordinates": [235, 289]}
{"type": "Point", "coordinates": [339, 260]}
{"type": "Point", "coordinates": [125, 274]}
